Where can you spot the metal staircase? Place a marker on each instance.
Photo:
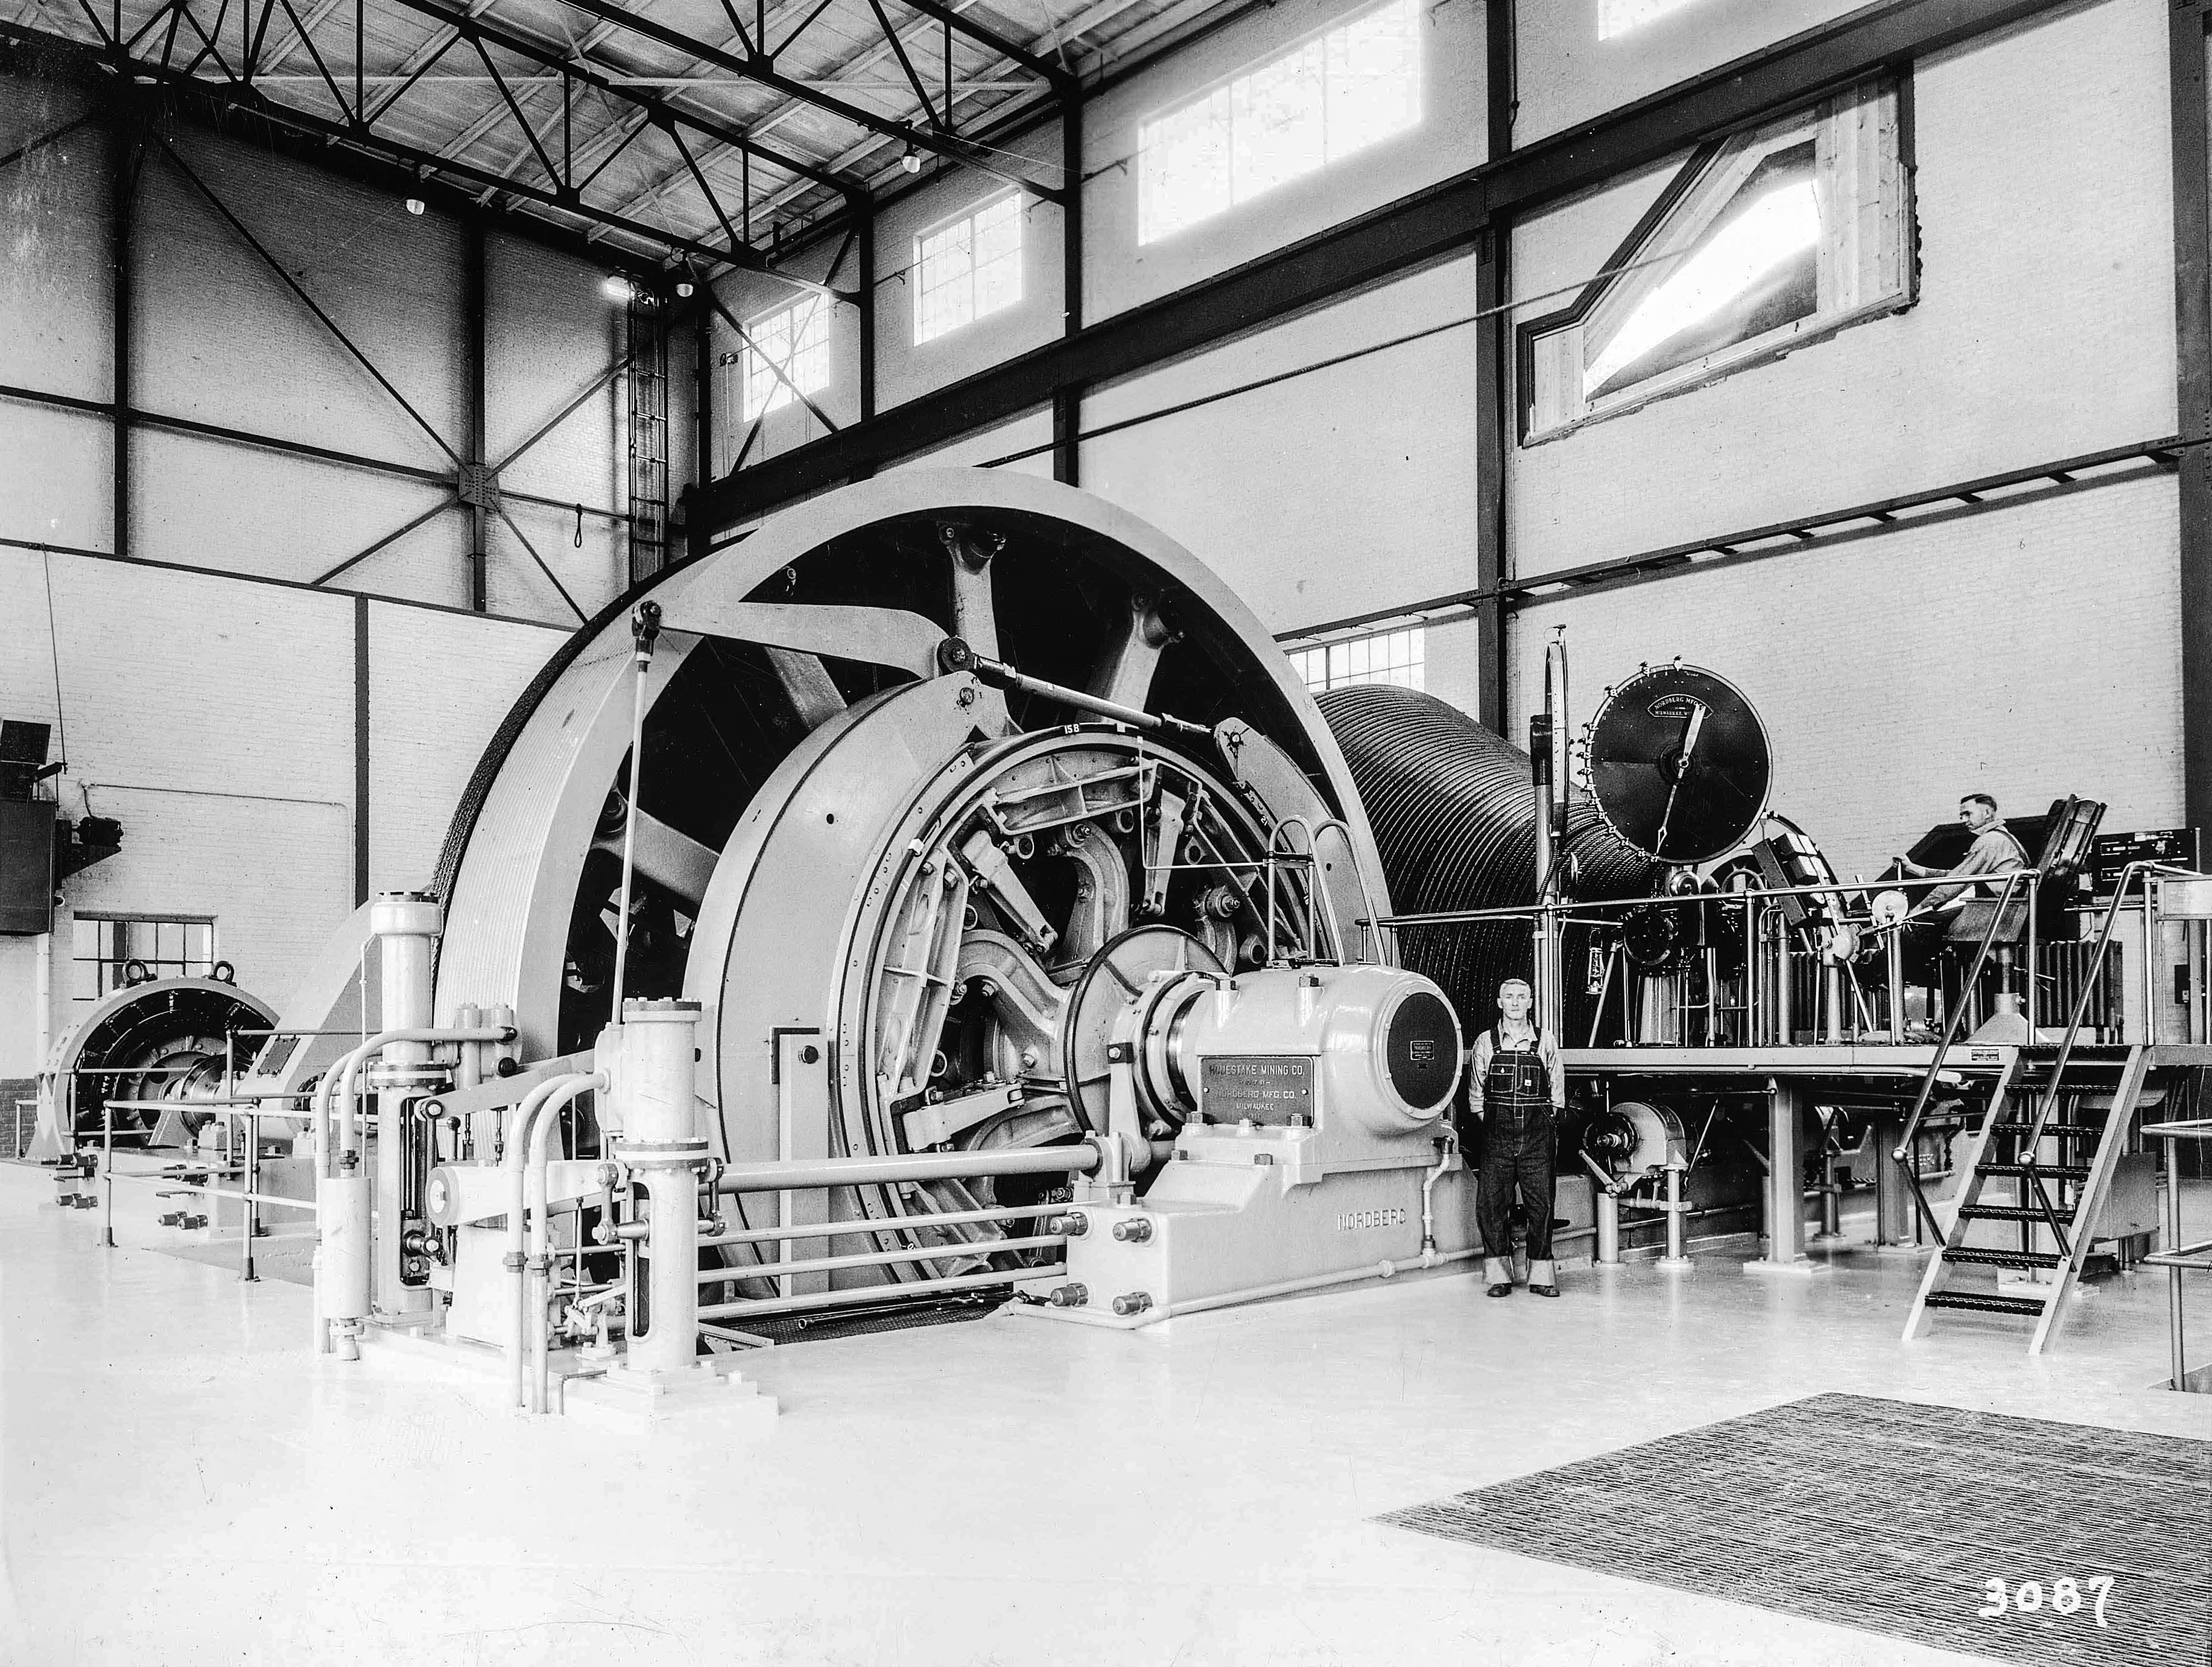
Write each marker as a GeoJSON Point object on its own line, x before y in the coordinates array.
{"type": "Point", "coordinates": [2081, 1101]}
{"type": "Point", "coordinates": [2051, 1138]}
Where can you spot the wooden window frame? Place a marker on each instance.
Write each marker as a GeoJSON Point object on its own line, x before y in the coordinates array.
{"type": "Point", "coordinates": [1868, 264]}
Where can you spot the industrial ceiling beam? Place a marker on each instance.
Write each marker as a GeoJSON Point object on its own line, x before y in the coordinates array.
{"type": "Point", "coordinates": [960, 23]}
{"type": "Point", "coordinates": [233, 94]}
{"type": "Point", "coordinates": [660, 111]}
{"type": "Point", "coordinates": [215, 108]}
{"type": "Point", "coordinates": [775, 199]}
{"type": "Point", "coordinates": [761, 68]}
{"type": "Point", "coordinates": [1443, 220]}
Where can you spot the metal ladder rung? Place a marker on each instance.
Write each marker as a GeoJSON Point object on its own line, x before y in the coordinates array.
{"type": "Point", "coordinates": [1987, 1305]}
{"type": "Point", "coordinates": [2063, 1214]}
{"type": "Point", "coordinates": [1976, 1257]}
{"type": "Point", "coordinates": [2045, 1171]}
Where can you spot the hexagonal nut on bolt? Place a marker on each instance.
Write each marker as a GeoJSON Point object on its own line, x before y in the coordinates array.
{"type": "Point", "coordinates": [1074, 1224]}
{"type": "Point", "coordinates": [1069, 1295]}
{"type": "Point", "coordinates": [1136, 1230]}
{"type": "Point", "coordinates": [1135, 1303]}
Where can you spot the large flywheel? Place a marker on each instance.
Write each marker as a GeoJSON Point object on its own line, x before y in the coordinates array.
{"type": "Point", "coordinates": [853, 824]}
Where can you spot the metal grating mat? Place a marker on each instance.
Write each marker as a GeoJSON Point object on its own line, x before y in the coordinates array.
{"type": "Point", "coordinates": [1892, 1518]}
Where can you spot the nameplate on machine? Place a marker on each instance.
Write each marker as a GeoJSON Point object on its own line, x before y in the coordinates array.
{"type": "Point", "coordinates": [1267, 1088]}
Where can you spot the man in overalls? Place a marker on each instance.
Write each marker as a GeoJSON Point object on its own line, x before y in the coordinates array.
{"type": "Point", "coordinates": [1515, 1087]}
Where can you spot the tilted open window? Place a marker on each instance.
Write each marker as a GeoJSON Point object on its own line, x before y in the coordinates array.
{"type": "Point", "coordinates": [1764, 242]}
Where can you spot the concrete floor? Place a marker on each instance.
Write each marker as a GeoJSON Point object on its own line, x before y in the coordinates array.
{"type": "Point", "coordinates": [182, 1482]}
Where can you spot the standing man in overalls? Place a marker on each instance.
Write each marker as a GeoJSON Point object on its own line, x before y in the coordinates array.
{"type": "Point", "coordinates": [1516, 1088]}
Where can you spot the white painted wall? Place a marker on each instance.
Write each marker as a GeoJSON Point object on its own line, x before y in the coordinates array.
{"type": "Point", "coordinates": [439, 684]}
{"type": "Point", "coordinates": [1569, 73]}
{"type": "Point", "coordinates": [209, 709]}
{"type": "Point", "coordinates": [2044, 327]}
{"type": "Point", "coordinates": [2027, 652]}
{"type": "Point", "coordinates": [1328, 494]}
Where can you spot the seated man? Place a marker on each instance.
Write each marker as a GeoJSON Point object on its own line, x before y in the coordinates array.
{"type": "Point", "coordinates": [1995, 851]}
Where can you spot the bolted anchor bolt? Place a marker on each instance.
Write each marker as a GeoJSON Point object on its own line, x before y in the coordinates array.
{"type": "Point", "coordinates": [1068, 1296]}
{"type": "Point", "coordinates": [1074, 1224]}
{"type": "Point", "coordinates": [1135, 1303]}
{"type": "Point", "coordinates": [1136, 1230]}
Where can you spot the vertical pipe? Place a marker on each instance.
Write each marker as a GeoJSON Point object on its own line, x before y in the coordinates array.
{"type": "Point", "coordinates": [645, 626]}
{"type": "Point", "coordinates": [1609, 1227]}
{"type": "Point", "coordinates": [2176, 1338]}
{"type": "Point", "coordinates": [1678, 1224]}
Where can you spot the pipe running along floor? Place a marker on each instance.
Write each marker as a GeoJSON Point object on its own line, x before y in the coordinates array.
{"type": "Point", "coordinates": [182, 1483]}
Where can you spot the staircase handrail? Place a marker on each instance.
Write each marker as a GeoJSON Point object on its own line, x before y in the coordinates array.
{"type": "Point", "coordinates": [1951, 1026]}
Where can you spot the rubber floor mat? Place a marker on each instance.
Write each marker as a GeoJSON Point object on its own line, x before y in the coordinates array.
{"type": "Point", "coordinates": [2008, 1537]}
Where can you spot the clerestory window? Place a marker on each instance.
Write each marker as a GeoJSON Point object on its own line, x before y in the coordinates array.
{"type": "Point", "coordinates": [968, 268]}
{"type": "Point", "coordinates": [787, 355]}
{"type": "Point", "coordinates": [1394, 657]}
{"type": "Point", "coordinates": [1764, 242]}
{"type": "Point", "coordinates": [1338, 93]}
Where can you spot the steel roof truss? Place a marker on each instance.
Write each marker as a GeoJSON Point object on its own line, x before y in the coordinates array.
{"type": "Point", "coordinates": [758, 69]}
{"type": "Point", "coordinates": [552, 58]}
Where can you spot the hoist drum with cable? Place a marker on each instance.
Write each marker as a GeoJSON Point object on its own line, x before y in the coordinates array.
{"type": "Point", "coordinates": [845, 833]}
{"type": "Point", "coordinates": [1452, 806]}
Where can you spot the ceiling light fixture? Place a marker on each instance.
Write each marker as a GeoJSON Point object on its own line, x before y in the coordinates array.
{"type": "Point", "coordinates": [616, 287]}
{"type": "Point", "coordinates": [683, 291]}
{"type": "Point", "coordinates": [414, 205]}
{"type": "Point", "coordinates": [912, 160]}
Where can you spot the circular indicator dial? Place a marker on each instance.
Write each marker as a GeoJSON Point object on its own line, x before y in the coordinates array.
{"type": "Point", "coordinates": [1679, 764]}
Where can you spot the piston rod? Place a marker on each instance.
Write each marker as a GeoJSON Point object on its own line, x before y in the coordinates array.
{"type": "Point", "coordinates": [929, 1166]}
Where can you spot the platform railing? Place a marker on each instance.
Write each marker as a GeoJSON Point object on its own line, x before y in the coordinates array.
{"type": "Point", "coordinates": [2176, 1256]}
{"type": "Point", "coordinates": [1760, 904]}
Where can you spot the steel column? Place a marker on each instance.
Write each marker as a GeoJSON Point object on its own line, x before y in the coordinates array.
{"type": "Point", "coordinates": [124, 150]}
{"type": "Point", "coordinates": [1493, 389]}
{"type": "Point", "coordinates": [702, 394]}
{"type": "Point", "coordinates": [1067, 402]}
{"type": "Point", "coordinates": [1493, 403]}
{"type": "Point", "coordinates": [361, 750]}
{"type": "Point", "coordinates": [475, 478]}
{"type": "Point", "coordinates": [867, 305]}
{"type": "Point", "coordinates": [2192, 283]}
{"type": "Point", "coordinates": [1785, 1181]}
